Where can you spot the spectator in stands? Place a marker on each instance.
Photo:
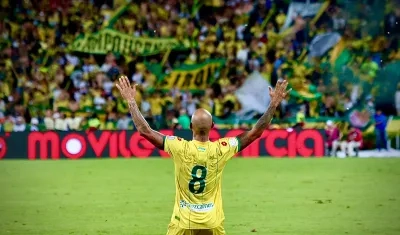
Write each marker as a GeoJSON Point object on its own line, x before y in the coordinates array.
{"type": "Point", "coordinates": [94, 122]}
{"type": "Point", "coordinates": [183, 120]}
{"type": "Point", "coordinates": [156, 103]}
{"type": "Point", "coordinates": [34, 125]}
{"type": "Point", "coordinates": [123, 122]}
{"type": "Point", "coordinates": [145, 109]}
{"type": "Point", "coordinates": [380, 130]}
{"type": "Point", "coordinates": [19, 125]}
{"type": "Point", "coordinates": [191, 105]}
{"type": "Point", "coordinates": [300, 117]}
{"type": "Point", "coordinates": [49, 120]}
{"type": "Point", "coordinates": [73, 122]}
{"type": "Point", "coordinates": [59, 122]}
{"type": "Point", "coordinates": [110, 123]}
{"type": "Point", "coordinates": [8, 125]}
{"type": "Point", "coordinates": [332, 137]}
{"type": "Point", "coordinates": [172, 122]}
{"type": "Point", "coordinates": [354, 141]}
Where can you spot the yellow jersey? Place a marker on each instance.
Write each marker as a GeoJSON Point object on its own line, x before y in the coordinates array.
{"type": "Point", "coordinates": [198, 174]}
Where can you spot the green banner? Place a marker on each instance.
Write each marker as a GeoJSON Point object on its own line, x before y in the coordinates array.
{"type": "Point", "coordinates": [190, 77]}
{"type": "Point", "coordinates": [109, 40]}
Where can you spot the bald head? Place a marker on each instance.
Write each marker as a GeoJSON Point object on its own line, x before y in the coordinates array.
{"type": "Point", "coordinates": [201, 121]}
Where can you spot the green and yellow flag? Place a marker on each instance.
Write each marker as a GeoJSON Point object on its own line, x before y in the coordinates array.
{"type": "Point", "coordinates": [189, 77]}
{"type": "Point", "coordinates": [109, 40]}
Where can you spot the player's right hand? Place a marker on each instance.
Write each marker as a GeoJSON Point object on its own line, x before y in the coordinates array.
{"type": "Point", "coordinates": [128, 92]}
{"type": "Point", "coordinates": [279, 93]}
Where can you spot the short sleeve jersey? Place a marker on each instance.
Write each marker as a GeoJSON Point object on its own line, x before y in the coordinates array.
{"type": "Point", "coordinates": [198, 174]}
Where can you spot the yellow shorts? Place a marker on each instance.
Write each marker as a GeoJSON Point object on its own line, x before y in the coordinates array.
{"type": "Point", "coordinates": [175, 230]}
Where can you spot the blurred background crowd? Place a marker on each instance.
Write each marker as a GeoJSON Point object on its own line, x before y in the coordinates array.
{"type": "Point", "coordinates": [337, 55]}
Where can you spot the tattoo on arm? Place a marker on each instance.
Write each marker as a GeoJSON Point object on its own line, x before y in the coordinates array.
{"type": "Point", "coordinates": [248, 137]}
{"type": "Point", "coordinates": [144, 128]}
{"type": "Point", "coordinates": [137, 117]}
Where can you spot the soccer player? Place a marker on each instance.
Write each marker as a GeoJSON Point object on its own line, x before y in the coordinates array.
{"type": "Point", "coordinates": [199, 163]}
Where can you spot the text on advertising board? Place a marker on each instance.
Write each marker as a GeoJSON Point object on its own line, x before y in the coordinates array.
{"type": "Point", "coordinates": [113, 144]}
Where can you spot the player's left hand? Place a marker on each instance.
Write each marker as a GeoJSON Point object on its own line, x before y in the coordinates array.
{"type": "Point", "coordinates": [279, 93]}
{"type": "Point", "coordinates": [128, 92]}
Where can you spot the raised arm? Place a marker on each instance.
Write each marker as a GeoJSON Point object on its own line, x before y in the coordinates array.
{"type": "Point", "coordinates": [128, 92]}
{"type": "Point", "coordinates": [277, 95]}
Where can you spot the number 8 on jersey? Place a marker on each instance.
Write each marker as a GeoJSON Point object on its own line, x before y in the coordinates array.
{"type": "Point", "coordinates": [201, 180]}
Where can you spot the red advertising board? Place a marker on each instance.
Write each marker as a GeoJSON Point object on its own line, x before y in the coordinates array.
{"type": "Point", "coordinates": [113, 144]}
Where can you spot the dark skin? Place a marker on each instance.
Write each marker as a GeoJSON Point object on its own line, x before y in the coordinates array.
{"type": "Point", "coordinates": [201, 125]}
{"type": "Point", "coordinates": [201, 119]}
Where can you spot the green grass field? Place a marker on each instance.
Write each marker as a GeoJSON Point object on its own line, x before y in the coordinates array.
{"type": "Point", "coordinates": [261, 196]}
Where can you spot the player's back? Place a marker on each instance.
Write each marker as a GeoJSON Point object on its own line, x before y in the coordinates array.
{"type": "Point", "coordinates": [198, 172]}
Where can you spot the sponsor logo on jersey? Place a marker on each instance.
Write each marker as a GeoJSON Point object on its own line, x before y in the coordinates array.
{"type": "Point", "coordinates": [233, 142]}
{"type": "Point", "coordinates": [171, 137]}
{"type": "Point", "coordinates": [201, 149]}
{"type": "Point", "coordinates": [197, 207]}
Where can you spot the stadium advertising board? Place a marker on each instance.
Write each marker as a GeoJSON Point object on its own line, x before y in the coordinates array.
{"type": "Point", "coordinates": [113, 144]}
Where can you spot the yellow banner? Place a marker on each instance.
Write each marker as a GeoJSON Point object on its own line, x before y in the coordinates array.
{"type": "Point", "coordinates": [192, 77]}
{"type": "Point", "coordinates": [108, 40]}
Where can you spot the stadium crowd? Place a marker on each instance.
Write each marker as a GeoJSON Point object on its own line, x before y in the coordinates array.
{"type": "Point", "coordinates": [46, 85]}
